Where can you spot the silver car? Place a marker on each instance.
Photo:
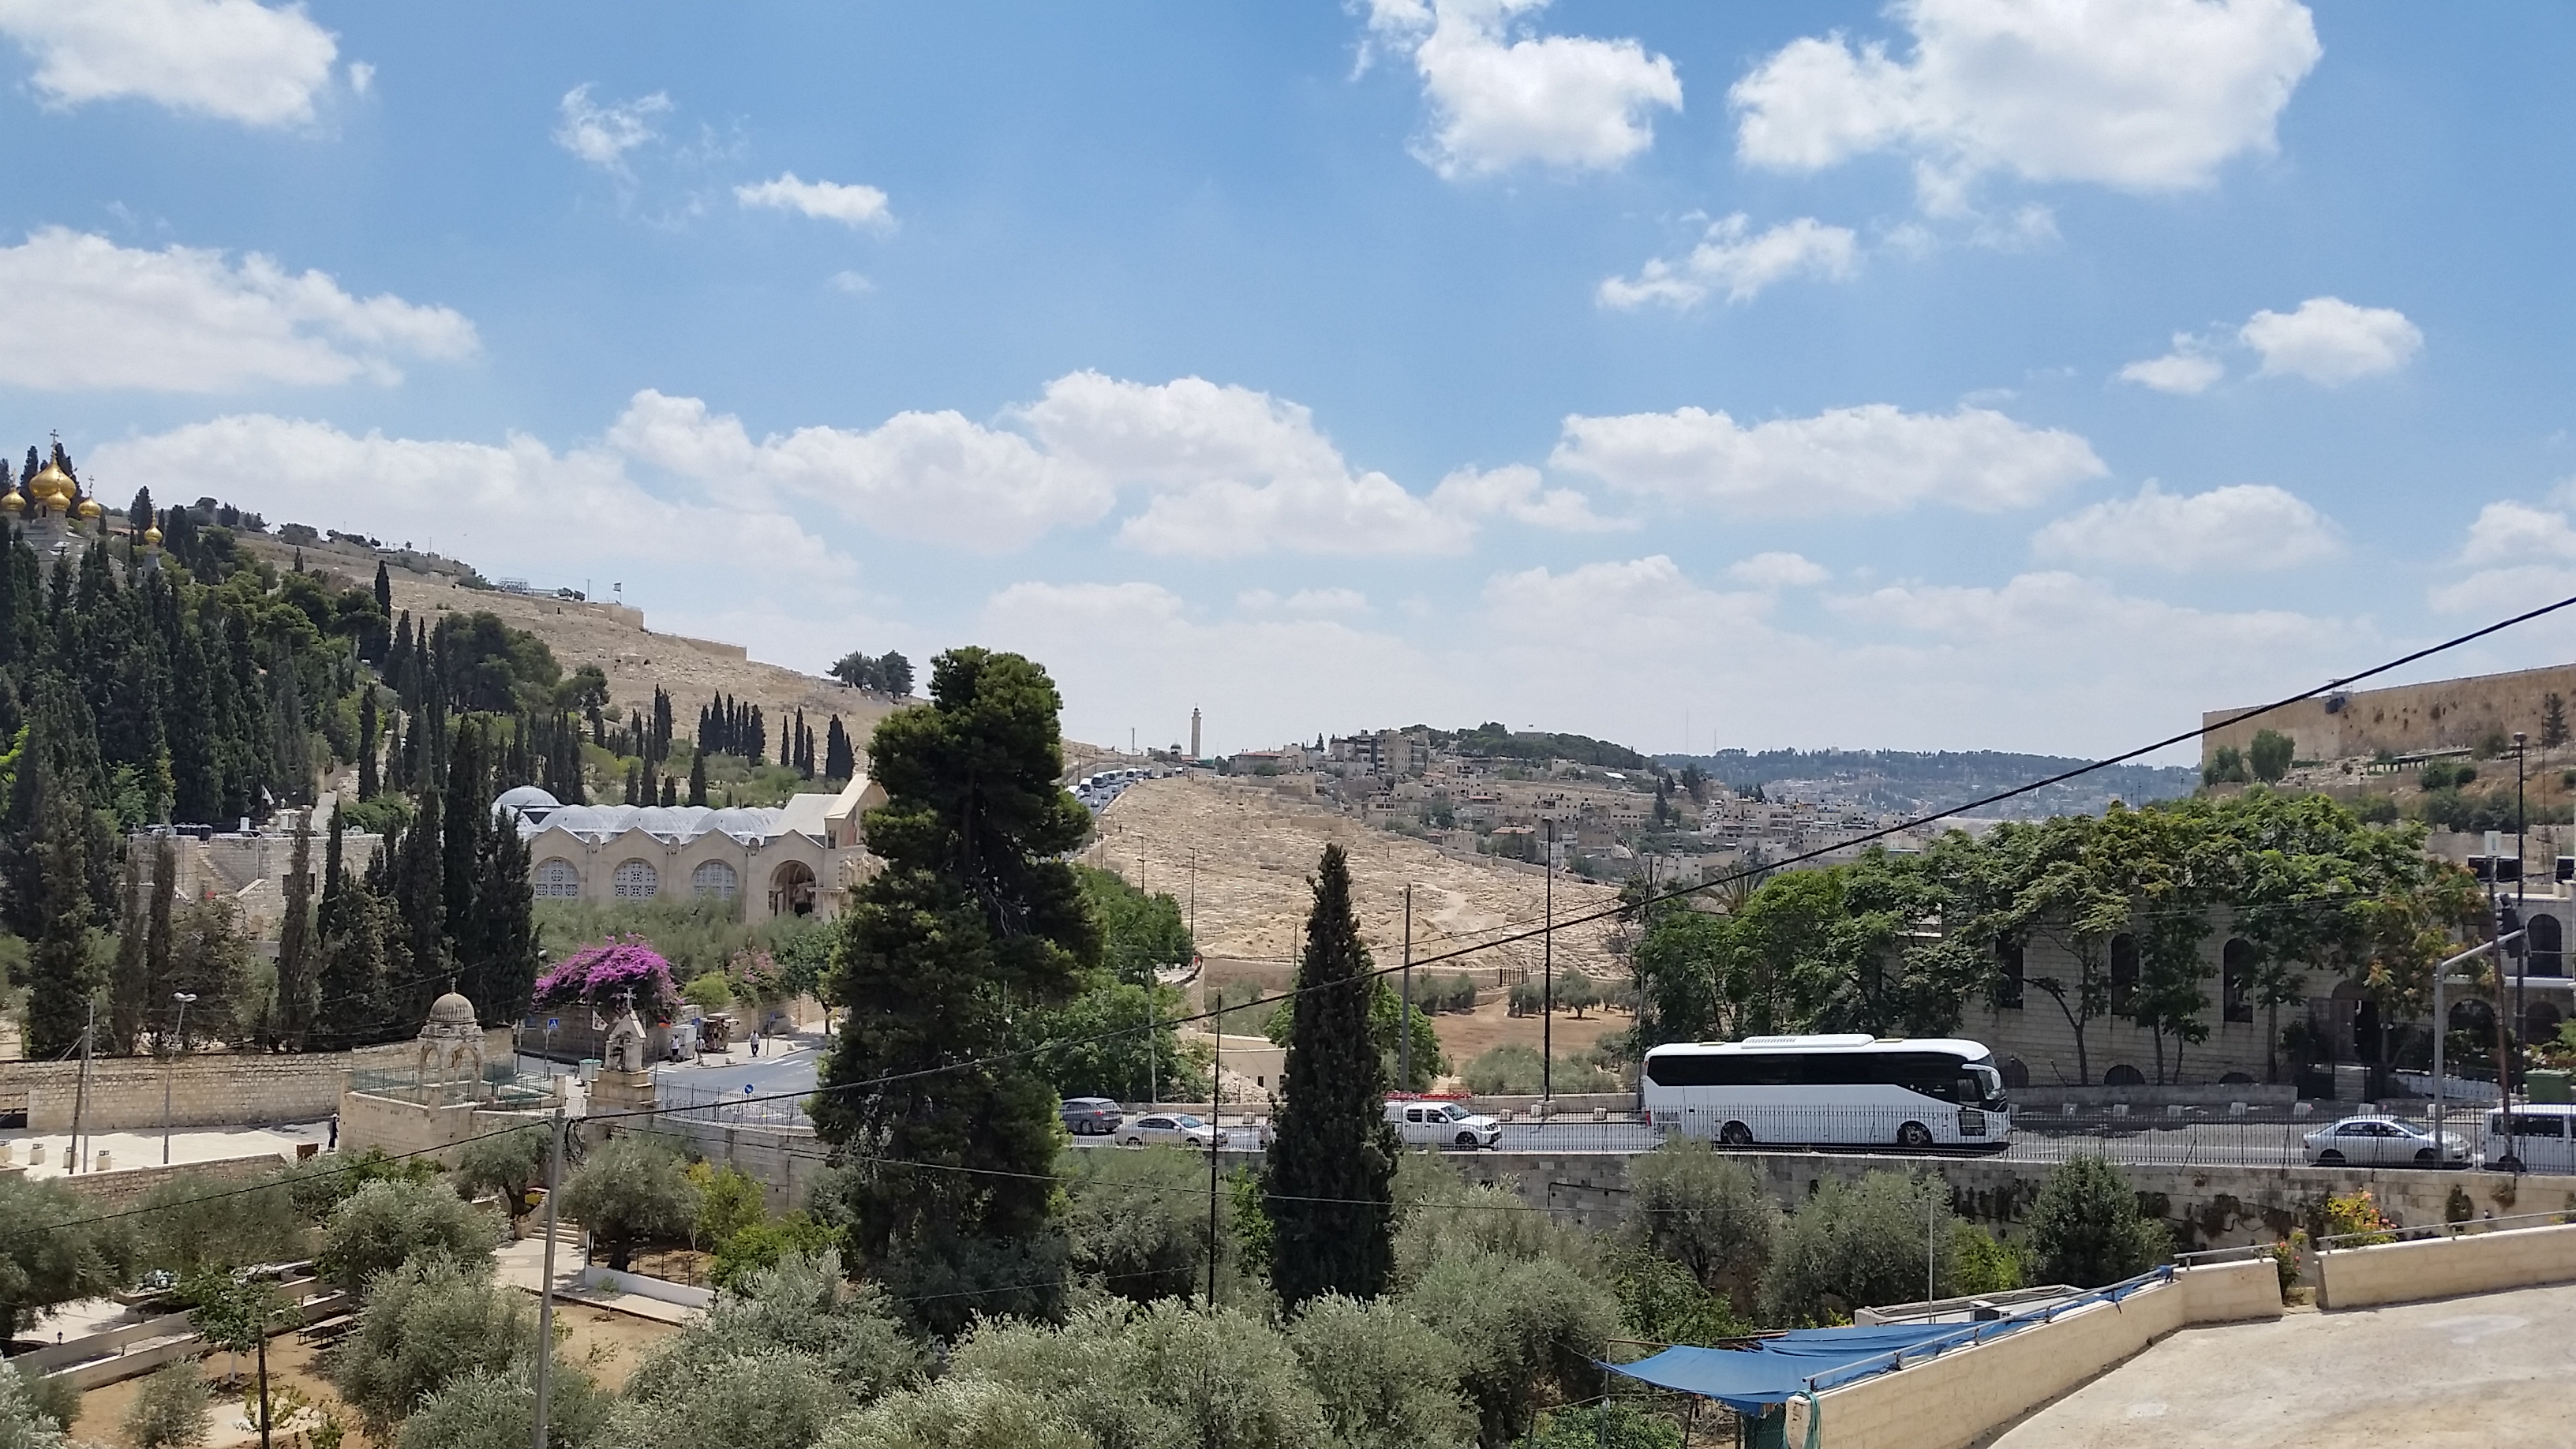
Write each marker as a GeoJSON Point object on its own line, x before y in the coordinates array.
{"type": "Point", "coordinates": [1175, 1129]}
{"type": "Point", "coordinates": [2383, 1142]}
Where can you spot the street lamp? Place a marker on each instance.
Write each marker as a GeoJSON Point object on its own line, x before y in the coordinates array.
{"type": "Point", "coordinates": [179, 1035]}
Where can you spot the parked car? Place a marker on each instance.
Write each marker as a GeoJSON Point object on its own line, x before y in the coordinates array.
{"type": "Point", "coordinates": [2535, 1140]}
{"type": "Point", "coordinates": [1092, 1116]}
{"type": "Point", "coordinates": [1442, 1124]}
{"type": "Point", "coordinates": [1176, 1129]}
{"type": "Point", "coordinates": [2383, 1142]}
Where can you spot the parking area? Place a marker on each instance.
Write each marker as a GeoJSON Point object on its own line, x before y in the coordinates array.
{"type": "Point", "coordinates": [2480, 1371]}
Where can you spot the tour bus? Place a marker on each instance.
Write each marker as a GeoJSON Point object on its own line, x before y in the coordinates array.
{"type": "Point", "coordinates": [1837, 1090]}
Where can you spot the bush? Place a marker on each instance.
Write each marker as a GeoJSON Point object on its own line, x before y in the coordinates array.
{"type": "Point", "coordinates": [1167, 1373]}
{"type": "Point", "coordinates": [1662, 1303]}
{"type": "Point", "coordinates": [30, 1418]}
{"type": "Point", "coordinates": [184, 1230]}
{"type": "Point", "coordinates": [425, 1324]}
{"type": "Point", "coordinates": [708, 991]}
{"type": "Point", "coordinates": [633, 1189]}
{"type": "Point", "coordinates": [1980, 1262]}
{"type": "Point", "coordinates": [1706, 1212]}
{"type": "Point", "coordinates": [762, 1399]}
{"type": "Point", "coordinates": [2086, 1229]}
{"type": "Point", "coordinates": [2376, 809]}
{"type": "Point", "coordinates": [2269, 756]}
{"type": "Point", "coordinates": [2445, 775]}
{"type": "Point", "coordinates": [509, 1166]}
{"type": "Point", "coordinates": [484, 1409]}
{"type": "Point", "coordinates": [170, 1409]}
{"type": "Point", "coordinates": [1531, 1331]}
{"type": "Point", "coordinates": [1858, 1245]}
{"type": "Point", "coordinates": [958, 1413]}
{"type": "Point", "coordinates": [2355, 1218]}
{"type": "Point", "coordinates": [728, 1202]}
{"type": "Point", "coordinates": [1604, 1426]}
{"type": "Point", "coordinates": [766, 1244]}
{"type": "Point", "coordinates": [802, 1306]}
{"type": "Point", "coordinates": [318, 1185]}
{"type": "Point", "coordinates": [1137, 1220]}
{"type": "Point", "coordinates": [1384, 1379]}
{"type": "Point", "coordinates": [387, 1224]}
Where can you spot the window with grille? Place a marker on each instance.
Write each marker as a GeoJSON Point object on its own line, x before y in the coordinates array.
{"type": "Point", "coordinates": [557, 880]}
{"type": "Point", "coordinates": [714, 878]}
{"type": "Point", "coordinates": [635, 881]}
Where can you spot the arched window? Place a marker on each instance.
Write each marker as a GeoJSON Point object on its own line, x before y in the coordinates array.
{"type": "Point", "coordinates": [635, 880]}
{"type": "Point", "coordinates": [2008, 980]}
{"type": "Point", "coordinates": [2235, 975]}
{"type": "Point", "coordinates": [2548, 945]}
{"type": "Point", "coordinates": [2124, 973]}
{"type": "Point", "coordinates": [714, 878]}
{"type": "Point", "coordinates": [2124, 1075]}
{"type": "Point", "coordinates": [2016, 1074]}
{"type": "Point", "coordinates": [556, 880]}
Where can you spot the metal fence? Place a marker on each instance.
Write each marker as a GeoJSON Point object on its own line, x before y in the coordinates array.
{"type": "Point", "coordinates": [702, 1105]}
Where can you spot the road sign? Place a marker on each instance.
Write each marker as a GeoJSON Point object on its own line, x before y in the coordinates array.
{"type": "Point", "coordinates": [553, 1022]}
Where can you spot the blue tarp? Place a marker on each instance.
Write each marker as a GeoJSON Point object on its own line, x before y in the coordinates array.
{"type": "Point", "coordinates": [1773, 1370]}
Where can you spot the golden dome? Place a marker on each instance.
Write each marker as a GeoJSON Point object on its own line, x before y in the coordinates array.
{"type": "Point", "coordinates": [151, 536]}
{"type": "Point", "coordinates": [52, 485]}
{"type": "Point", "coordinates": [89, 510]}
{"type": "Point", "coordinates": [15, 502]}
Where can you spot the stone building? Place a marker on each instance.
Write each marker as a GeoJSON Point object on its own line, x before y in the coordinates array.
{"type": "Point", "coordinates": [801, 858]}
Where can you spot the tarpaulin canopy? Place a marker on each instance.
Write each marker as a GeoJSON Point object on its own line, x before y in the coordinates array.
{"type": "Point", "coordinates": [1772, 1370]}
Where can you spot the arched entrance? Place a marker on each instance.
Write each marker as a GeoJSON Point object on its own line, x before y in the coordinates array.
{"type": "Point", "coordinates": [791, 890]}
{"type": "Point", "coordinates": [2548, 946]}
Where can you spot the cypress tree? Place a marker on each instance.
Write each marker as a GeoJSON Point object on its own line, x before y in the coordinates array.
{"type": "Point", "coordinates": [384, 590]}
{"type": "Point", "coordinates": [60, 977]}
{"type": "Point", "coordinates": [368, 727]}
{"type": "Point", "coordinates": [670, 791]}
{"type": "Point", "coordinates": [504, 936]}
{"type": "Point", "coordinates": [1330, 1171]}
{"type": "Point", "coordinates": [157, 933]}
{"type": "Point", "coordinates": [129, 983]}
{"type": "Point", "coordinates": [840, 762]}
{"type": "Point", "coordinates": [294, 946]}
{"type": "Point", "coordinates": [698, 778]}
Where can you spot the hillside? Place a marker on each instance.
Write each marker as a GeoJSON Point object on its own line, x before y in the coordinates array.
{"type": "Point", "coordinates": [612, 636]}
{"type": "Point", "coordinates": [1908, 782]}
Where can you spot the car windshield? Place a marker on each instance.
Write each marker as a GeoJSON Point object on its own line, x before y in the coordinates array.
{"type": "Point", "coordinates": [1453, 1113]}
{"type": "Point", "coordinates": [2403, 1129]}
{"type": "Point", "coordinates": [1187, 1122]}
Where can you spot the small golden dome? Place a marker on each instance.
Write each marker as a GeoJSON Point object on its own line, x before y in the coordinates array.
{"type": "Point", "coordinates": [14, 502]}
{"type": "Point", "coordinates": [151, 537]}
{"type": "Point", "coordinates": [52, 484]}
{"type": "Point", "coordinates": [89, 510]}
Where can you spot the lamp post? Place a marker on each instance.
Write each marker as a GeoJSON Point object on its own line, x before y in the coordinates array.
{"type": "Point", "coordinates": [179, 1042]}
{"type": "Point", "coordinates": [2521, 853]}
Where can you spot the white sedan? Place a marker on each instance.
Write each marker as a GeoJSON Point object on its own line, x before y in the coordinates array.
{"type": "Point", "coordinates": [2383, 1142]}
{"type": "Point", "coordinates": [1175, 1129]}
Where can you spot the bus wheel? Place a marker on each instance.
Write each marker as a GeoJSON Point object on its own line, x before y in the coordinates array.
{"type": "Point", "coordinates": [1735, 1134]}
{"type": "Point", "coordinates": [2511, 1164]}
{"type": "Point", "coordinates": [1914, 1135]}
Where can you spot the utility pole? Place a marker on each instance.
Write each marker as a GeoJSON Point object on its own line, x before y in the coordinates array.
{"type": "Point", "coordinates": [1216, 1119]}
{"type": "Point", "coordinates": [80, 1094]}
{"type": "Point", "coordinates": [2521, 853]}
{"type": "Point", "coordinates": [1547, 983]}
{"type": "Point", "coordinates": [179, 1034]}
{"type": "Point", "coordinates": [1404, 1015]}
{"type": "Point", "coordinates": [546, 1276]}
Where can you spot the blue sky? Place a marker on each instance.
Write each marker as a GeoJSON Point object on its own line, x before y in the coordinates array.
{"type": "Point", "coordinates": [1970, 373]}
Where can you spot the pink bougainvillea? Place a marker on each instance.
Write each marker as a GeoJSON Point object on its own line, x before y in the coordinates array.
{"type": "Point", "coordinates": [605, 972]}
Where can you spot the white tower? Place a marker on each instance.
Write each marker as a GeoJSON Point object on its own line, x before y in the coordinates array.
{"type": "Point", "coordinates": [1194, 733]}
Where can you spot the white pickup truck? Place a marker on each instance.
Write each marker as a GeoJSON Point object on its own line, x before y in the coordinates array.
{"type": "Point", "coordinates": [1442, 1124]}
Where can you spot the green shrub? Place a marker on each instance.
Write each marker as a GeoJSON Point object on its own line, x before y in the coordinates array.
{"type": "Point", "coordinates": [1531, 1330]}
{"type": "Point", "coordinates": [1604, 1426]}
{"type": "Point", "coordinates": [170, 1409]}
{"type": "Point", "coordinates": [488, 1409]}
{"type": "Point", "coordinates": [765, 1244]}
{"type": "Point", "coordinates": [1862, 1244]}
{"type": "Point", "coordinates": [1385, 1380]}
{"type": "Point", "coordinates": [2086, 1229]}
{"type": "Point", "coordinates": [425, 1324]}
{"type": "Point", "coordinates": [801, 1305]}
{"type": "Point", "coordinates": [1705, 1211]}
{"type": "Point", "coordinates": [387, 1224]}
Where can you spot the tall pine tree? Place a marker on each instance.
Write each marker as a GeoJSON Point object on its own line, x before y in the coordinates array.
{"type": "Point", "coordinates": [1330, 1170]}
{"type": "Point", "coordinates": [295, 988]}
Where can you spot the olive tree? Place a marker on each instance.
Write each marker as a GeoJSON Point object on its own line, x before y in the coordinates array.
{"type": "Point", "coordinates": [1531, 1329]}
{"type": "Point", "coordinates": [959, 1413]}
{"type": "Point", "coordinates": [485, 1408]}
{"type": "Point", "coordinates": [804, 1306]}
{"type": "Point", "coordinates": [755, 1398]}
{"type": "Point", "coordinates": [424, 1324]}
{"type": "Point", "coordinates": [388, 1223]}
{"type": "Point", "coordinates": [25, 1423]}
{"type": "Point", "coordinates": [510, 1166]}
{"type": "Point", "coordinates": [1704, 1211]}
{"type": "Point", "coordinates": [1861, 1244]}
{"type": "Point", "coordinates": [2086, 1229]}
{"type": "Point", "coordinates": [170, 1409]}
{"type": "Point", "coordinates": [1385, 1380]}
{"type": "Point", "coordinates": [631, 1190]}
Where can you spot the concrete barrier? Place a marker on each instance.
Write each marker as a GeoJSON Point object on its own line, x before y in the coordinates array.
{"type": "Point", "coordinates": [2445, 1267]}
{"type": "Point", "coordinates": [1965, 1394]}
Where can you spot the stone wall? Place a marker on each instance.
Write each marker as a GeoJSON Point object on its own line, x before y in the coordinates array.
{"type": "Point", "coordinates": [2205, 1207]}
{"type": "Point", "coordinates": [128, 1187]}
{"type": "Point", "coordinates": [2446, 714]}
{"type": "Point", "coordinates": [400, 1127]}
{"type": "Point", "coordinates": [207, 1090]}
{"type": "Point", "coordinates": [783, 1160]}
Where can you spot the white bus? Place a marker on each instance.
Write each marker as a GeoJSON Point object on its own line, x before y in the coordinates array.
{"type": "Point", "coordinates": [1842, 1090]}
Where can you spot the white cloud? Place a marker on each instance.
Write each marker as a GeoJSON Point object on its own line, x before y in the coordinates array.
{"type": "Point", "coordinates": [1733, 259]}
{"type": "Point", "coordinates": [2239, 529]}
{"type": "Point", "coordinates": [2188, 369]}
{"type": "Point", "coordinates": [852, 206]}
{"type": "Point", "coordinates": [934, 476]}
{"type": "Point", "coordinates": [2511, 532]}
{"type": "Point", "coordinates": [602, 135]}
{"type": "Point", "coordinates": [1234, 471]}
{"type": "Point", "coordinates": [1500, 98]}
{"type": "Point", "coordinates": [2331, 341]}
{"type": "Point", "coordinates": [717, 567]}
{"type": "Point", "coordinates": [1778, 571]}
{"type": "Point", "coordinates": [185, 320]}
{"type": "Point", "coordinates": [230, 59]}
{"type": "Point", "coordinates": [2002, 623]}
{"type": "Point", "coordinates": [1304, 601]}
{"type": "Point", "coordinates": [1869, 459]}
{"type": "Point", "coordinates": [855, 284]}
{"type": "Point", "coordinates": [362, 77]}
{"type": "Point", "coordinates": [2498, 593]}
{"type": "Point", "coordinates": [2144, 95]}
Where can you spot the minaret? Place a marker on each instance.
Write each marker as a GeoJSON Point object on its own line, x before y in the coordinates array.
{"type": "Point", "coordinates": [1194, 732]}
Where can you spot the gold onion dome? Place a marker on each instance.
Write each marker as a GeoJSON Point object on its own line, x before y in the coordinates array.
{"type": "Point", "coordinates": [89, 510]}
{"type": "Point", "coordinates": [14, 502]}
{"type": "Point", "coordinates": [53, 485]}
{"type": "Point", "coordinates": [151, 535]}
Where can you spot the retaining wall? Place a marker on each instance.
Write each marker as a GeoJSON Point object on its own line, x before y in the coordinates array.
{"type": "Point", "coordinates": [2206, 1207]}
{"type": "Point", "coordinates": [207, 1090]}
{"type": "Point", "coordinates": [400, 1127]}
{"type": "Point", "coordinates": [1961, 1396]}
{"type": "Point", "coordinates": [128, 1187]}
{"type": "Point", "coordinates": [783, 1160]}
{"type": "Point", "coordinates": [2444, 1267]}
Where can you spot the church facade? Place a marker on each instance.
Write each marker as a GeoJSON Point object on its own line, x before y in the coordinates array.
{"type": "Point", "coordinates": [797, 859]}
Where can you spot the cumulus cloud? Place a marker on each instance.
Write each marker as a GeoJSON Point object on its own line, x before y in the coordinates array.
{"type": "Point", "coordinates": [852, 206]}
{"type": "Point", "coordinates": [752, 573]}
{"type": "Point", "coordinates": [1304, 601]}
{"type": "Point", "coordinates": [1733, 259]}
{"type": "Point", "coordinates": [603, 134]}
{"type": "Point", "coordinates": [2066, 607]}
{"type": "Point", "coordinates": [1870, 459]}
{"type": "Point", "coordinates": [1515, 492]}
{"type": "Point", "coordinates": [2239, 529]}
{"type": "Point", "coordinates": [233, 60]}
{"type": "Point", "coordinates": [1778, 571]}
{"type": "Point", "coordinates": [2331, 341]}
{"type": "Point", "coordinates": [934, 476]}
{"type": "Point", "coordinates": [2188, 369]}
{"type": "Point", "coordinates": [2512, 532]}
{"type": "Point", "coordinates": [1501, 97]}
{"type": "Point", "coordinates": [187, 320]}
{"type": "Point", "coordinates": [2144, 95]}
